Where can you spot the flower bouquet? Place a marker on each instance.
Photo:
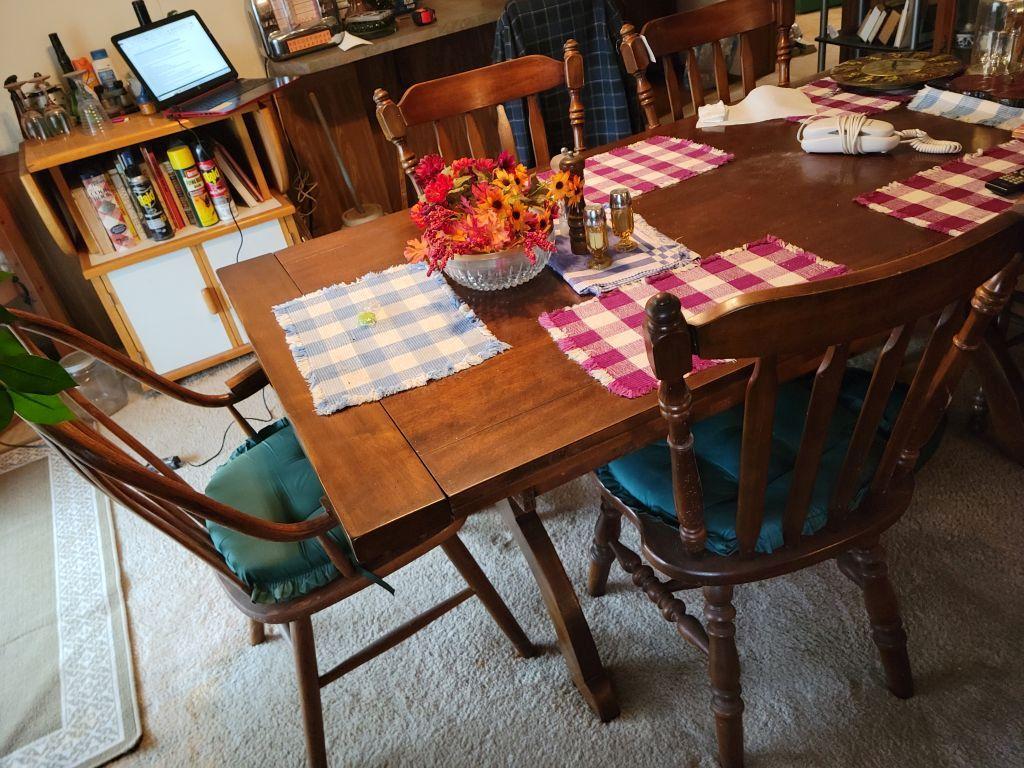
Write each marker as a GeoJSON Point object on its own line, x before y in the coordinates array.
{"type": "Point", "coordinates": [486, 222]}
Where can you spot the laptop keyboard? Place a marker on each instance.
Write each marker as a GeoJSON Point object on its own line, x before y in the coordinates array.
{"type": "Point", "coordinates": [220, 95]}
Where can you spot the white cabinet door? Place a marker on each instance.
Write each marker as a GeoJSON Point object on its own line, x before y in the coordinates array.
{"type": "Point", "coordinates": [267, 237]}
{"type": "Point", "coordinates": [163, 298]}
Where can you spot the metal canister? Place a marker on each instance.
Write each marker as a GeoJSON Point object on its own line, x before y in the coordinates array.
{"type": "Point", "coordinates": [184, 165]}
{"type": "Point", "coordinates": [153, 216]}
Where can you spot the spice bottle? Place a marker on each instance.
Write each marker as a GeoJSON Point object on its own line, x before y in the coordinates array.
{"type": "Point", "coordinates": [597, 237]}
{"type": "Point", "coordinates": [620, 206]}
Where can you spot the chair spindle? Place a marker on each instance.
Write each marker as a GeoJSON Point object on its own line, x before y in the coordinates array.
{"type": "Point", "coordinates": [755, 451]}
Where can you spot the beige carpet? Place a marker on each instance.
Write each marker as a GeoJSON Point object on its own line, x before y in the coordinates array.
{"type": "Point", "coordinates": [455, 696]}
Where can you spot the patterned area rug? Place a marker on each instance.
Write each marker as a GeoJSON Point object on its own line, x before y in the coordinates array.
{"type": "Point", "coordinates": [65, 660]}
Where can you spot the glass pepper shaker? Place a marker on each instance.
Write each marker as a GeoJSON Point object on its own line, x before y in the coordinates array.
{"type": "Point", "coordinates": [597, 237]}
{"type": "Point", "coordinates": [620, 204]}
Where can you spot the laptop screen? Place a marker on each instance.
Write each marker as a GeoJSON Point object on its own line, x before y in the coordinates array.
{"type": "Point", "coordinates": [174, 57]}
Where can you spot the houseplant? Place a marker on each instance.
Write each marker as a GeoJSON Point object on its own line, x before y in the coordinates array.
{"type": "Point", "coordinates": [29, 385]}
{"type": "Point", "coordinates": [486, 222]}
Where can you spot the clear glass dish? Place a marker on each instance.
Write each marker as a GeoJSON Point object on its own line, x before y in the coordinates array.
{"type": "Point", "coordinates": [495, 271]}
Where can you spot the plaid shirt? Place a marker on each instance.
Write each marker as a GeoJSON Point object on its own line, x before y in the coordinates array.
{"type": "Point", "coordinates": [542, 27]}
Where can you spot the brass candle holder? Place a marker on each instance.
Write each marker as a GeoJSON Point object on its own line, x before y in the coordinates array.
{"type": "Point", "coordinates": [620, 204]}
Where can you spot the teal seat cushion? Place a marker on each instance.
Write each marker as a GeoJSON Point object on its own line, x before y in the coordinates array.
{"type": "Point", "coordinates": [643, 480]}
{"type": "Point", "coordinates": [269, 477]}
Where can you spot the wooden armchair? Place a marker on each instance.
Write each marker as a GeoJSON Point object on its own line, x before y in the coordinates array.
{"type": "Point", "coordinates": [804, 471]}
{"type": "Point", "coordinates": [466, 94]}
{"type": "Point", "coordinates": [126, 470]}
{"type": "Point", "coordinates": [673, 38]}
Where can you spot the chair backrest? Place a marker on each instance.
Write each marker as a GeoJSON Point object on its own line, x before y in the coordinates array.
{"type": "Point", "coordinates": [884, 304]}
{"type": "Point", "coordinates": [120, 465]}
{"type": "Point", "coordinates": [469, 94]}
{"type": "Point", "coordinates": [673, 40]}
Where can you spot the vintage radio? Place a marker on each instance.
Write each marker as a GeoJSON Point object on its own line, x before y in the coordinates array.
{"type": "Point", "coordinates": [290, 28]}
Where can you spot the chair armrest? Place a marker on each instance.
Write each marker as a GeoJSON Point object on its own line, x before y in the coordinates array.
{"type": "Point", "coordinates": [247, 382]}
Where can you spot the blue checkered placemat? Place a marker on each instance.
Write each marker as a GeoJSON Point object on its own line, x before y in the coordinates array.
{"type": "Point", "coordinates": [970, 109]}
{"type": "Point", "coordinates": [656, 253]}
{"type": "Point", "coordinates": [423, 331]}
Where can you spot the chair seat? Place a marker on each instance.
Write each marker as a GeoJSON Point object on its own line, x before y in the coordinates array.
{"type": "Point", "coordinates": [643, 480]}
{"type": "Point", "coordinates": [269, 477]}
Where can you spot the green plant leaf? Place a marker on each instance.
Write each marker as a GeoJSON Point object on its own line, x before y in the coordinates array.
{"type": "Point", "coordinates": [5, 275]}
{"type": "Point", "coordinates": [9, 345]}
{"type": "Point", "coordinates": [6, 409]}
{"type": "Point", "coordinates": [41, 409]}
{"type": "Point", "coordinates": [34, 375]}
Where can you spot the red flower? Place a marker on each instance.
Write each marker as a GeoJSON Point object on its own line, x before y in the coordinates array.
{"type": "Point", "coordinates": [428, 168]}
{"type": "Point", "coordinates": [460, 166]}
{"type": "Point", "coordinates": [485, 164]}
{"type": "Point", "coordinates": [437, 190]}
{"type": "Point", "coordinates": [506, 161]}
{"type": "Point", "coordinates": [419, 215]}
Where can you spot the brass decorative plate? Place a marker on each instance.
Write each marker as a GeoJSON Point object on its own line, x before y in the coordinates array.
{"type": "Point", "coordinates": [888, 71]}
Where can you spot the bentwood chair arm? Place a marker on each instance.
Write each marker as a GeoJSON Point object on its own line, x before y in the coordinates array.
{"type": "Point", "coordinates": [241, 386]}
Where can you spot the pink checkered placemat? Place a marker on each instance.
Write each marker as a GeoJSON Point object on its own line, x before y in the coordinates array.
{"type": "Point", "coordinates": [653, 163]}
{"type": "Point", "coordinates": [605, 334]}
{"type": "Point", "coordinates": [951, 197]}
{"type": "Point", "coordinates": [831, 99]}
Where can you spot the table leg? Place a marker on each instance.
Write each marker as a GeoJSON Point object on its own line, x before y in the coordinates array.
{"type": "Point", "coordinates": [1003, 386]}
{"type": "Point", "coordinates": [574, 638]}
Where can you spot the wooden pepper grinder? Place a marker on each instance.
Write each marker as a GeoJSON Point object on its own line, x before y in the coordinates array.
{"type": "Point", "coordinates": [572, 162]}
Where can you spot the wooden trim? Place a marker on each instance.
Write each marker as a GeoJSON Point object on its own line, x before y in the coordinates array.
{"type": "Point", "coordinates": [50, 218]}
{"type": "Point", "coordinates": [209, 362]}
{"type": "Point", "coordinates": [291, 230]}
{"type": "Point", "coordinates": [245, 138]}
{"type": "Point", "coordinates": [125, 332]}
{"type": "Point", "coordinates": [64, 191]}
{"type": "Point", "coordinates": [186, 241]}
{"type": "Point", "coordinates": [269, 130]}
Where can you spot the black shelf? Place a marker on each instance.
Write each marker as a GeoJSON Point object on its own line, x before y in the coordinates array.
{"type": "Point", "coordinates": [852, 41]}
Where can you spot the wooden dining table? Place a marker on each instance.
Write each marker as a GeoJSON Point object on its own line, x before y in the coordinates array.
{"type": "Point", "coordinates": [524, 422]}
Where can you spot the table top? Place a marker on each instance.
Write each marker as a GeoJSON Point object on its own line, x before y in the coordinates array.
{"type": "Point", "coordinates": [452, 16]}
{"type": "Point", "coordinates": [531, 417]}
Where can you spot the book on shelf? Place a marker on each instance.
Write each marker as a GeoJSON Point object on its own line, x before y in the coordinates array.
{"type": "Point", "coordinates": [888, 31]}
{"type": "Point", "coordinates": [179, 193]}
{"type": "Point", "coordinates": [163, 190]}
{"type": "Point", "coordinates": [902, 37]}
{"type": "Point", "coordinates": [124, 200]}
{"type": "Point", "coordinates": [91, 220]}
{"type": "Point", "coordinates": [872, 19]}
{"type": "Point", "coordinates": [239, 180]}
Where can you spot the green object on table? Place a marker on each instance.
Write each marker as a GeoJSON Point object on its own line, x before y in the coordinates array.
{"type": "Point", "coordinates": [643, 479]}
{"type": "Point", "coordinates": [367, 318]}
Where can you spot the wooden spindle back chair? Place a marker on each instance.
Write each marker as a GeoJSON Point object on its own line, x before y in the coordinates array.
{"type": "Point", "coordinates": [470, 95]}
{"type": "Point", "coordinates": [673, 40]}
{"type": "Point", "coordinates": [120, 465]}
{"type": "Point", "coordinates": [872, 486]}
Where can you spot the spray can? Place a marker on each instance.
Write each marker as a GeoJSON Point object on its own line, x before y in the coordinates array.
{"type": "Point", "coordinates": [215, 184]}
{"type": "Point", "coordinates": [191, 179]}
{"type": "Point", "coordinates": [153, 216]}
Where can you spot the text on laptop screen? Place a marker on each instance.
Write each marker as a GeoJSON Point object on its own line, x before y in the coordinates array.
{"type": "Point", "coordinates": [175, 57]}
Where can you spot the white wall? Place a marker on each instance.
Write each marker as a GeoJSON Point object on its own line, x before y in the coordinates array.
{"type": "Point", "coordinates": [84, 25]}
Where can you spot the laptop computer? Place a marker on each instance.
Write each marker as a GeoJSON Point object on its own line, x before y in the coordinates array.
{"type": "Point", "coordinates": [181, 64]}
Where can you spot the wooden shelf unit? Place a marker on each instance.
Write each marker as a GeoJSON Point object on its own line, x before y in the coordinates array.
{"type": "Point", "coordinates": [164, 298]}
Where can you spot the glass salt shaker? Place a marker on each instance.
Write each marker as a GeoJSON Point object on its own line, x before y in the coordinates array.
{"type": "Point", "coordinates": [597, 237]}
{"type": "Point", "coordinates": [620, 204]}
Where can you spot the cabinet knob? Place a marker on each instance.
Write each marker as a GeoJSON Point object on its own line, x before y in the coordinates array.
{"type": "Point", "coordinates": [212, 300]}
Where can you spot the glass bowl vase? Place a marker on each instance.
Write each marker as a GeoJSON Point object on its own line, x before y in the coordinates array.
{"type": "Point", "coordinates": [496, 271]}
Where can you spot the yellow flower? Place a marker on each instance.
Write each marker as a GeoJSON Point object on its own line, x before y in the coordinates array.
{"type": "Point", "coordinates": [574, 190]}
{"type": "Point", "coordinates": [495, 201]}
{"type": "Point", "coordinates": [517, 216]}
{"type": "Point", "coordinates": [522, 176]}
{"type": "Point", "coordinates": [506, 182]}
{"type": "Point", "coordinates": [559, 186]}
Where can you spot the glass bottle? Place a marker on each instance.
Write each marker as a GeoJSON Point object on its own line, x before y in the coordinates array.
{"type": "Point", "coordinates": [998, 37]}
{"type": "Point", "coordinates": [620, 205]}
{"type": "Point", "coordinates": [597, 237]}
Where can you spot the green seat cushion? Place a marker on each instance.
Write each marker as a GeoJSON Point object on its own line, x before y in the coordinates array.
{"type": "Point", "coordinates": [269, 477]}
{"type": "Point", "coordinates": [643, 480]}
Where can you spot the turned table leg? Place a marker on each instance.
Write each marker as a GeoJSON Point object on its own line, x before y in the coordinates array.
{"type": "Point", "coordinates": [574, 638]}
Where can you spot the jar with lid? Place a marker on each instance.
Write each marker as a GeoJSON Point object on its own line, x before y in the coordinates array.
{"type": "Point", "coordinates": [98, 382]}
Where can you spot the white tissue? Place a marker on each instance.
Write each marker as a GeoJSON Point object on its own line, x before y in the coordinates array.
{"type": "Point", "coordinates": [766, 102]}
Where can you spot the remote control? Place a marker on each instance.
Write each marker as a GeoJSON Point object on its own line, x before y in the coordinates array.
{"type": "Point", "coordinates": [1008, 184]}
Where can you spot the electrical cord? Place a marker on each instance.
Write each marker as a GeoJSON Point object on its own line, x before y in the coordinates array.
{"type": "Point", "coordinates": [231, 208]}
{"type": "Point", "coordinates": [227, 429]}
